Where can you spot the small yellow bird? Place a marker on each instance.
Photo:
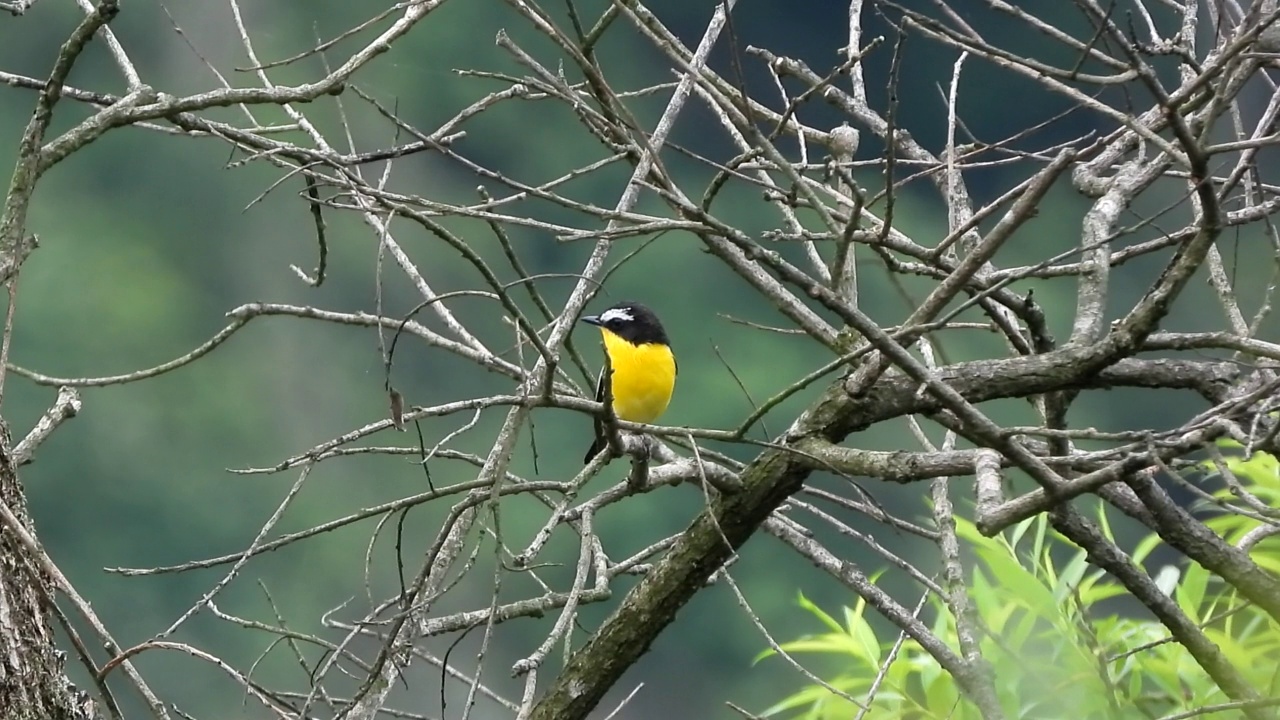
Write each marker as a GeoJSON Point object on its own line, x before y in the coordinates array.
{"type": "Point", "coordinates": [644, 368]}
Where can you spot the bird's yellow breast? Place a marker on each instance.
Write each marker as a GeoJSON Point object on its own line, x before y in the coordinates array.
{"type": "Point", "coordinates": [643, 378]}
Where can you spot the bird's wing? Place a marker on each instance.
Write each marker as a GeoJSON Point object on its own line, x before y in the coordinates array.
{"type": "Point", "coordinates": [598, 440]}
{"type": "Point", "coordinates": [600, 386]}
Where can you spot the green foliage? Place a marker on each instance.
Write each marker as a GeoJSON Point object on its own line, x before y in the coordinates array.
{"type": "Point", "coordinates": [1056, 647]}
{"type": "Point", "coordinates": [1259, 476]}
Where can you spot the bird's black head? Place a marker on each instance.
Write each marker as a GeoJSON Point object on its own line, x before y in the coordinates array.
{"type": "Point", "coordinates": [631, 321]}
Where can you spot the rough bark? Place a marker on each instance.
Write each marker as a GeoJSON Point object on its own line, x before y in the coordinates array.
{"type": "Point", "coordinates": [33, 680]}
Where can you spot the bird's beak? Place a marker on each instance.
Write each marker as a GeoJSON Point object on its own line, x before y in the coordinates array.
{"type": "Point", "coordinates": [591, 320]}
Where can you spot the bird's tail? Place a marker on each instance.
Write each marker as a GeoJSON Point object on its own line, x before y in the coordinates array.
{"type": "Point", "coordinates": [600, 442]}
{"type": "Point", "coordinates": [596, 446]}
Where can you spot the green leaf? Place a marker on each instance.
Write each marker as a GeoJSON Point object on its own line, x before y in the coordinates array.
{"type": "Point", "coordinates": [807, 697]}
{"type": "Point", "coordinates": [1190, 591]}
{"type": "Point", "coordinates": [940, 696]}
{"type": "Point", "coordinates": [1167, 579]}
{"type": "Point", "coordinates": [829, 643]}
{"type": "Point", "coordinates": [1015, 581]}
{"type": "Point", "coordinates": [817, 612]}
{"type": "Point", "coordinates": [1104, 524]}
{"type": "Point", "coordinates": [1071, 576]}
{"type": "Point", "coordinates": [1144, 548]}
{"type": "Point", "coordinates": [860, 630]}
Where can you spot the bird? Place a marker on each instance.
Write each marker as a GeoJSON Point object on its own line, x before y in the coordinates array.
{"type": "Point", "coordinates": [643, 367]}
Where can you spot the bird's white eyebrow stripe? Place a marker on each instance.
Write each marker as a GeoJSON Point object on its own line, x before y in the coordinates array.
{"type": "Point", "coordinates": [616, 314]}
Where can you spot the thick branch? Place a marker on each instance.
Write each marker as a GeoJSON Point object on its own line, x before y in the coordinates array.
{"type": "Point", "coordinates": [718, 532]}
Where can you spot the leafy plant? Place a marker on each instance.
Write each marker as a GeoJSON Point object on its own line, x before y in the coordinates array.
{"type": "Point", "coordinates": [1055, 646]}
{"type": "Point", "coordinates": [1251, 491]}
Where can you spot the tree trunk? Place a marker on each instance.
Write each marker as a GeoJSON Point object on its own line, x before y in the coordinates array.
{"type": "Point", "coordinates": [33, 683]}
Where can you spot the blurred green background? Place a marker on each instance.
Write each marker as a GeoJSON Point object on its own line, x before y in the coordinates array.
{"type": "Point", "coordinates": [147, 240]}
